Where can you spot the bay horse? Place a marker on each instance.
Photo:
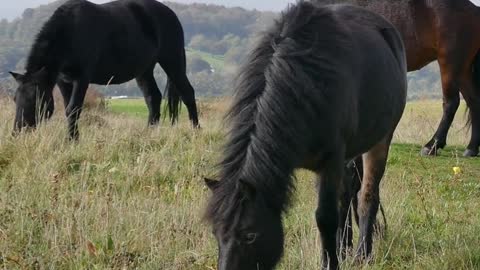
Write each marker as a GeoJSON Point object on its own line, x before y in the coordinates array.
{"type": "Point", "coordinates": [104, 44]}
{"type": "Point", "coordinates": [323, 85]}
{"type": "Point", "coordinates": [443, 30]}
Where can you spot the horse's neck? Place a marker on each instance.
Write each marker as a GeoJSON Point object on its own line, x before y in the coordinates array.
{"type": "Point", "coordinates": [45, 53]}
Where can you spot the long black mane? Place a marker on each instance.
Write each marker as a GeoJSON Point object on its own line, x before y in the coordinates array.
{"type": "Point", "coordinates": [49, 44]}
{"type": "Point", "coordinates": [270, 115]}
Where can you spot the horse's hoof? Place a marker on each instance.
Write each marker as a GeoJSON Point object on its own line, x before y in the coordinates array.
{"type": "Point", "coordinates": [470, 153]}
{"type": "Point", "coordinates": [427, 151]}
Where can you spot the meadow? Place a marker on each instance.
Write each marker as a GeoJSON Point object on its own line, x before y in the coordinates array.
{"type": "Point", "coordinates": [131, 197]}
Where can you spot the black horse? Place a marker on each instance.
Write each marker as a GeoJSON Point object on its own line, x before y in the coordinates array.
{"type": "Point", "coordinates": [112, 43]}
{"type": "Point", "coordinates": [324, 85]}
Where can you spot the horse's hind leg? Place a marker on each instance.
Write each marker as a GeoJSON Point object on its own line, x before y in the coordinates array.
{"type": "Point", "coordinates": [374, 162]}
{"type": "Point", "coordinates": [348, 193]}
{"type": "Point", "coordinates": [471, 92]}
{"type": "Point", "coordinates": [327, 215]}
{"type": "Point", "coordinates": [356, 186]}
{"type": "Point", "coordinates": [176, 68]}
{"type": "Point", "coordinates": [152, 95]}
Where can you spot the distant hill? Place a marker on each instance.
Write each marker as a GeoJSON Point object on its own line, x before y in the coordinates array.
{"type": "Point", "coordinates": [214, 34]}
{"type": "Point", "coordinates": [217, 39]}
{"type": "Point", "coordinates": [12, 9]}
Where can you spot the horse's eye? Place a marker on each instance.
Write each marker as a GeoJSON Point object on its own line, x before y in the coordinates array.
{"type": "Point", "coordinates": [250, 238]}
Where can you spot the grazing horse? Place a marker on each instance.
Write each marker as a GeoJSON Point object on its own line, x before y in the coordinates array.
{"type": "Point", "coordinates": [447, 31]}
{"type": "Point", "coordinates": [323, 85]}
{"type": "Point", "coordinates": [112, 43]}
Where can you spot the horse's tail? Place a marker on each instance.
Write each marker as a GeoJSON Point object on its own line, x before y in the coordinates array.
{"type": "Point", "coordinates": [173, 101]}
{"type": "Point", "coordinates": [173, 93]}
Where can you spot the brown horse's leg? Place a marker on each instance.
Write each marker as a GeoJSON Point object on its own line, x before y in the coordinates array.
{"type": "Point", "coordinates": [374, 162]}
{"type": "Point", "coordinates": [472, 98]}
{"type": "Point", "coordinates": [451, 101]}
{"type": "Point", "coordinates": [327, 215]}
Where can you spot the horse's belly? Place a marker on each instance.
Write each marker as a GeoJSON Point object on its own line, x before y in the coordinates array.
{"type": "Point", "coordinates": [123, 61]}
{"type": "Point", "coordinates": [117, 71]}
{"type": "Point", "coordinates": [112, 77]}
{"type": "Point", "coordinates": [418, 57]}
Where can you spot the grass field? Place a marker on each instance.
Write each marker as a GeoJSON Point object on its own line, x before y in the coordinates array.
{"type": "Point", "coordinates": [216, 61]}
{"type": "Point", "coordinates": [131, 197]}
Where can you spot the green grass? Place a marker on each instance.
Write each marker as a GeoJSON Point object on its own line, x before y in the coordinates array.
{"type": "Point", "coordinates": [131, 107]}
{"type": "Point", "coordinates": [131, 197]}
{"type": "Point", "coordinates": [136, 108]}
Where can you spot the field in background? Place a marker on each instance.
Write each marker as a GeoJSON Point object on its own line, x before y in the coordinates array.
{"type": "Point", "coordinates": [131, 197]}
{"type": "Point", "coordinates": [216, 61]}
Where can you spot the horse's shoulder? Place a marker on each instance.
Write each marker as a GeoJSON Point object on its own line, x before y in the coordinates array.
{"type": "Point", "coordinates": [72, 7]}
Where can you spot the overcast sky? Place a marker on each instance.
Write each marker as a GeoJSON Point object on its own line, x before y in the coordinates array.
{"type": "Point", "coordinates": [13, 8]}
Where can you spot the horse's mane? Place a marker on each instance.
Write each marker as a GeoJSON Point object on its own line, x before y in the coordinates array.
{"type": "Point", "coordinates": [49, 42]}
{"type": "Point", "coordinates": [295, 56]}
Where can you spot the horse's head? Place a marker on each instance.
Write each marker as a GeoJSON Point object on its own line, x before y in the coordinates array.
{"type": "Point", "coordinates": [33, 95]}
{"type": "Point", "coordinates": [248, 233]}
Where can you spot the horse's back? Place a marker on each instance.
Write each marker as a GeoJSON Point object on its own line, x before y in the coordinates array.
{"type": "Point", "coordinates": [380, 69]}
{"type": "Point", "coordinates": [121, 39]}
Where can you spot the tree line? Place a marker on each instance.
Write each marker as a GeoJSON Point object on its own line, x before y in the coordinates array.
{"type": "Point", "coordinates": [217, 40]}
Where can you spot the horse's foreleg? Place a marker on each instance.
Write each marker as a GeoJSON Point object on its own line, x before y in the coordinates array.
{"type": "Point", "coordinates": [74, 107]}
{"type": "Point", "coordinates": [327, 215]}
{"type": "Point", "coordinates": [374, 162]}
{"type": "Point", "coordinates": [152, 95]}
{"type": "Point", "coordinates": [451, 101]}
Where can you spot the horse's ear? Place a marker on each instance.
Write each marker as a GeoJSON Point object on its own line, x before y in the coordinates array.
{"type": "Point", "coordinates": [211, 184]}
{"type": "Point", "coordinates": [17, 76]}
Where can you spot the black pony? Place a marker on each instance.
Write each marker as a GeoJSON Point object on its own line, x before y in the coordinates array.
{"type": "Point", "coordinates": [324, 85]}
{"type": "Point", "coordinates": [112, 43]}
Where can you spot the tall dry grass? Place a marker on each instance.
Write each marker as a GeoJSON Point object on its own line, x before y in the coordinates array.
{"type": "Point", "coordinates": [131, 197]}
